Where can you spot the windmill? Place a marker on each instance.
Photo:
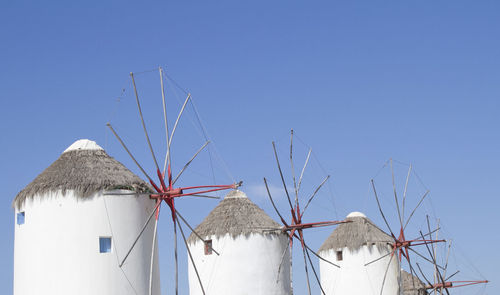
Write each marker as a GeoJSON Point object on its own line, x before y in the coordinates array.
{"type": "Point", "coordinates": [164, 187]}
{"type": "Point", "coordinates": [442, 280]}
{"type": "Point", "coordinates": [401, 246]}
{"type": "Point", "coordinates": [295, 227]}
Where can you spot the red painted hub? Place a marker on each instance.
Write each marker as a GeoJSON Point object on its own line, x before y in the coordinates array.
{"type": "Point", "coordinates": [296, 226]}
{"type": "Point", "coordinates": [169, 193]}
{"type": "Point", "coordinates": [401, 245]}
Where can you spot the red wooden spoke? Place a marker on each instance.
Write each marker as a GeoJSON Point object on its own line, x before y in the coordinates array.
{"type": "Point", "coordinates": [169, 193]}
{"type": "Point", "coordinates": [296, 227]}
{"type": "Point", "coordinates": [157, 214]}
{"type": "Point", "coordinates": [454, 284]}
{"type": "Point", "coordinates": [401, 245]}
{"type": "Point", "coordinates": [313, 224]}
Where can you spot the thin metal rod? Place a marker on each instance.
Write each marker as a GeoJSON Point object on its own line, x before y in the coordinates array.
{"type": "Point", "coordinates": [140, 233]}
{"type": "Point", "coordinates": [433, 255]}
{"type": "Point", "coordinates": [203, 196]}
{"type": "Point", "coordinates": [281, 262]}
{"type": "Point", "coordinates": [274, 205]}
{"type": "Point", "coordinates": [151, 266]}
{"type": "Point", "coordinates": [436, 271]}
{"type": "Point", "coordinates": [221, 186]}
{"type": "Point", "coordinates": [413, 274]}
{"type": "Point", "coordinates": [413, 212]}
{"type": "Point", "coordinates": [447, 257]}
{"type": "Point", "coordinates": [282, 178]}
{"type": "Point", "coordinates": [189, 162]}
{"type": "Point", "coordinates": [291, 269]}
{"type": "Point", "coordinates": [175, 125]}
{"type": "Point", "coordinates": [313, 195]}
{"type": "Point", "coordinates": [293, 169]}
{"type": "Point", "coordinates": [395, 194]}
{"type": "Point", "coordinates": [315, 274]}
{"type": "Point", "coordinates": [191, 257]}
{"type": "Point", "coordinates": [425, 278]}
{"type": "Point", "coordinates": [194, 232]}
{"type": "Point", "coordinates": [380, 208]}
{"type": "Point", "coordinates": [400, 277]}
{"type": "Point", "coordinates": [217, 188]}
{"type": "Point", "coordinates": [167, 159]}
{"type": "Point", "coordinates": [381, 257]}
{"type": "Point", "coordinates": [430, 233]}
{"type": "Point", "coordinates": [434, 251]}
{"type": "Point", "coordinates": [128, 152]}
{"type": "Point", "coordinates": [321, 258]}
{"type": "Point", "coordinates": [176, 260]}
{"type": "Point", "coordinates": [307, 271]}
{"type": "Point", "coordinates": [303, 169]}
{"type": "Point", "coordinates": [423, 257]}
{"type": "Point", "coordinates": [405, 190]}
{"type": "Point", "coordinates": [452, 275]}
{"type": "Point", "coordinates": [142, 120]}
{"type": "Point", "coordinates": [159, 194]}
{"type": "Point", "coordinates": [385, 274]}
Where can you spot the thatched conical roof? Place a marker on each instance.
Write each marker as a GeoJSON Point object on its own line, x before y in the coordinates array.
{"type": "Point", "coordinates": [412, 286]}
{"type": "Point", "coordinates": [353, 235]}
{"type": "Point", "coordinates": [84, 168]}
{"type": "Point", "coordinates": [235, 215]}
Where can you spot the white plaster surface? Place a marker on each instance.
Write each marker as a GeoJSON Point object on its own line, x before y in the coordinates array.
{"type": "Point", "coordinates": [83, 144]}
{"type": "Point", "coordinates": [246, 265]}
{"type": "Point", "coordinates": [356, 214]}
{"type": "Point", "coordinates": [354, 278]}
{"type": "Point", "coordinates": [57, 249]}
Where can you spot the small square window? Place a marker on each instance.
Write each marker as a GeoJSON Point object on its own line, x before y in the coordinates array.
{"type": "Point", "coordinates": [104, 244]}
{"type": "Point", "coordinates": [208, 247]}
{"type": "Point", "coordinates": [20, 218]}
{"type": "Point", "coordinates": [339, 255]}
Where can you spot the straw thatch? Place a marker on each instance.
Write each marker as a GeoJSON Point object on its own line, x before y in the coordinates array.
{"type": "Point", "coordinates": [84, 172]}
{"type": "Point", "coordinates": [353, 235]}
{"type": "Point", "coordinates": [235, 215]}
{"type": "Point", "coordinates": [412, 286]}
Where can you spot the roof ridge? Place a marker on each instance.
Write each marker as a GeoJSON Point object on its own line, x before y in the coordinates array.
{"type": "Point", "coordinates": [355, 234]}
{"type": "Point", "coordinates": [84, 171]}
{"type": "Point", "coordinates": [235, 216]}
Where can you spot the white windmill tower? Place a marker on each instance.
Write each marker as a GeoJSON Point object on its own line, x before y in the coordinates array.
{"type": "Point", "coordinates": [352, 246]}
{"type": "Point", "coordinates": [248, 254]}
{"type": "Point", "coordinates": [73, 225]}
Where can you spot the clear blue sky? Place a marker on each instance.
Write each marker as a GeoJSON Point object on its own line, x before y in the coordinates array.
{"type": "Point", "coordinates": [360, 82]}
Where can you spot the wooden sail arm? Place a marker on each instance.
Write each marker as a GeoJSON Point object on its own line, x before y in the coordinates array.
{"type": "Point", "coordinates": [180, 192]}
{"type": "Point", "coordinates": [455, 284]}
{"type": "Point", "coordinates": [313, 224]}
{"type": "Point", "coordinates": [416, 242]}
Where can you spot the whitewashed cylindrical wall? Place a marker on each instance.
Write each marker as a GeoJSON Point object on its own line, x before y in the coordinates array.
{"type": "Point", "coordinates": [246, 265]}
{"type": "Point", "coordinates": [353, 277]}
{"type": "Point", "coordinates": [57, 248]}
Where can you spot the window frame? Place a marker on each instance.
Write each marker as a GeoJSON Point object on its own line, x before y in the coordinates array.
{"type": "Point", "coordinates": [339, 255]}
{"type": "Point", "coordinates": [103, 249]}
{"type": "Point", "coordinates": [21, 218]}
{"type": "Point", "coordinates": [208, 247]}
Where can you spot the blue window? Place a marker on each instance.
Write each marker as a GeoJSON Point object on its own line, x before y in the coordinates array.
{"type": "Point", "coordinates": [104, 244]}
{"type": "Point", "coordinates": [20, 218]}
